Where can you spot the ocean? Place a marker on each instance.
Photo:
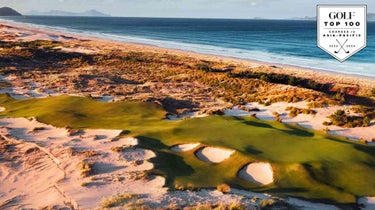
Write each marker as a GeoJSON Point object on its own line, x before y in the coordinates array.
{"type": "Point", "coordinates": [290, 42]}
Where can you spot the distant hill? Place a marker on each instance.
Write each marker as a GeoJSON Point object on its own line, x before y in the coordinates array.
{"type": "Point", "coordinates": [304, 18]}
{"type": "Point", "coordinates": [89, 13]}
{"type": "Point", "coordinates": [7, 11]}
{"type": "Point", "coordinates": [370, 17]}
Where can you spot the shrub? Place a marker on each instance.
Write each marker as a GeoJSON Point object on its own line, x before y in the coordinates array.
{"type": "Point", "coordinates": [179, 187]}
{"type": "Point", "coordinates": [224, 188]}
{"type": "Point", "coordinates": [339, 97]}
{"type": "Point", "coordinates": [282, 79]}
{"type": "Point", "coordinates": [205, 67]}
{"type": "Point", "coordinates": [340, 118]}
{"type": "Point", "coordinates": [117, 200]}
{"type": "Point", "coordinates": [266, 203]}
{"type": "Point", "coordinates": [124, 133]}
{"type": "Point", "coordinates": [294, 111]}
{"type": "Point", "coordinates": [274, 203]}
{"type": "Point", "coordinates": [373, 92]}
{"type": "Point", "coordinates": [326, 129]}
{"type": "Point", "coordinates": [120, 148]}
{"type": "Point", "coordinates": [366, 121]}
{"type": "Point", "coordinates": [86, 169]}
{"type": "Point", "coordinates": [190, 187]}
{"type": "Point", "coordinates": [39, 128]}
{"type": "Point", "coordinates": [136, 205]}
{"type": "Point", "coordinates": [314, 105]}
{"type": "Point", "coordinates": [363, 141]}
{"type": "Point", "coordinates": [236, 206]}
{"type": "Point", "coordinates": [325, 123]}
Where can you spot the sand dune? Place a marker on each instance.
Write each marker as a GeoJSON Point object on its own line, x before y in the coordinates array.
{"type": "Point", "coordinates": [48, 171]}
{"type": "Point", "coordinates": [184, 147]}
{"type": "Point", "coordinates": [214, 154]}
{"type": "Point", "coordinates": [34, 171]}
{"type": "Point", "coordinates": [257, 173]}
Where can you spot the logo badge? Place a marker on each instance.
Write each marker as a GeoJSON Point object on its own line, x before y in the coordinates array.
{"type": "Point", "coordinates": [342, 29]}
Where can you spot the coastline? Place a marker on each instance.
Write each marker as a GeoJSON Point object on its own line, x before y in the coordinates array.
{"type": "Point", "coordinates": [320, 75]}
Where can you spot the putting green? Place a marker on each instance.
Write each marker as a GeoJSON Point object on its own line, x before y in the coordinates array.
{"type": "Point", "coordinates": [306, 163]}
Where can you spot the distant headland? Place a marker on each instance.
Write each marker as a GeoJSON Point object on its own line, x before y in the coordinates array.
{"type": "Point", "coordinates": [89, 13]}
{"type": "Point", "coordinates": [7, 11]}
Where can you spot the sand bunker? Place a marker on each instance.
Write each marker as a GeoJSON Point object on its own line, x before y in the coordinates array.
{"type": "Point", "coordinates": [214, 154]}
{"type": "Point", "coordinates": [2, 109]}
{"type": "Point", "coordinates": [184, 147]}
{"type": "Point", "coordinates": [257, 173]}
{"type": "Point", "coordinates": [367, 203]}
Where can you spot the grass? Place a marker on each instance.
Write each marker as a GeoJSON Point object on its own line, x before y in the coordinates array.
{"type": "Point", "coordinates": [306, 163]}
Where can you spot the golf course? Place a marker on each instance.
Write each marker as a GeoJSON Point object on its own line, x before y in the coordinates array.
{"type": "Point", "coordinates": [306, 163]}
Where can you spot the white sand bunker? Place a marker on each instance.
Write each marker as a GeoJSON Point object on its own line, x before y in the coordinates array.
{"type": "Point", "coordinates": [257, 173]}
{"type": "Point", "coordinates": [2, 109]}
{"type": "Point", "coordinates": [184, 147]}
{"type": "Point", "coordinates": [214, 154]}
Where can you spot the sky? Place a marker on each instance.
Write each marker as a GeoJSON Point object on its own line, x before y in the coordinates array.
{"type": "Point", "coordinates": [272, 9]}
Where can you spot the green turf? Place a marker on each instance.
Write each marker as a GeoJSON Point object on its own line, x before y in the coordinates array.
{"type": "Point", "coordinates": [307, 163]}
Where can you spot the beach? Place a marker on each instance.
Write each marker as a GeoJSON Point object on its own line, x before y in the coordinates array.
{"type": "Point", "coordinates": [116, 162]}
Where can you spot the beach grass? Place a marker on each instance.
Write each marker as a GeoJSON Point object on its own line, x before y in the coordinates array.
{"type": "Point", "coordinates": [306, 163]}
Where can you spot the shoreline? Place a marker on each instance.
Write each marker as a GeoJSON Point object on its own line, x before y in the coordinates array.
{"type": "Point", "coordinates": [299, 71]}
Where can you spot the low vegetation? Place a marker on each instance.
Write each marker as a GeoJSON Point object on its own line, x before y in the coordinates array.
{"type": "Point", "coordinates": [283, 79]}
{"type": "Point", "coordinates": [118, 200]}
{"type": "Point", "coordinates": [224, 188]}
{"type": "Point", "coordinates": [294, 111]}
{"type": "Point", "coordinates": [340, 118]}
{"type": "Point", "coordinates": [120, 148]}
{"type": "Point", "coordinates": [85, 169]}
{"type": "Point", "coordinates": [217, 206]}
{"type": "Point", "coordinates": [315, 105]}
{"type": "Point", "coordinates": [274, 203]}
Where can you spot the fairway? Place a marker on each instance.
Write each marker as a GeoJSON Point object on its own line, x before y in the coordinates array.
{"type": "Point", "coordinates": [306, 163]}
